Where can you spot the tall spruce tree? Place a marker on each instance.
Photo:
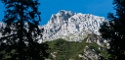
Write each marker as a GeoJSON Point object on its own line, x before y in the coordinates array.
{"type": "Point", "coordinates": [114, 31]}
{"type": "Point", "coordinates": [20, 36]}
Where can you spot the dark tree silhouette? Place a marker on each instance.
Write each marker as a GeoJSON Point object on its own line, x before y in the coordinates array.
{"type": "Point", "coordinates": [20, 36]}
{"type": "Point", "coordinates": [114, 31]}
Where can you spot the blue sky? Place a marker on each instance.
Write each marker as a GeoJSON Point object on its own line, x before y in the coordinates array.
{"type": "Point", "coordinates": [49, 7]}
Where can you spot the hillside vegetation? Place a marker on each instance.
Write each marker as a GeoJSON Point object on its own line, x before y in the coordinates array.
{"type": "Point", "coordinates": [63, 50]}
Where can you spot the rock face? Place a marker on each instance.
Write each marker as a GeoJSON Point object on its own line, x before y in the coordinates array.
{"type": "Point", "coordinates": [97, 39]}
{"type": "Point", "coordinates": [71, 26]}
{"type": "Point", "coordinates": [90, 54]}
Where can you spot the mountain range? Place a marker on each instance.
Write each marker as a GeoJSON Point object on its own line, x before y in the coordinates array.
{"type": "Point", "coordinates": [73, 28]}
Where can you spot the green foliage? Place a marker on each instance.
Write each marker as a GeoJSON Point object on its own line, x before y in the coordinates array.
{"type": "Point", "coordinates": [65, 50]}
{"type": "Point", "coordinates": [114, 31]}
{"type": "Point", "coordinates": [69, 50]}
{"type": "Point", "coordinates": [20, 36]}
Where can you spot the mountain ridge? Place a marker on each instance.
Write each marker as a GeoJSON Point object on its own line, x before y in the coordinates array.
{"type": "Point", "coordinates": [69, 26]}
{"type": "Point", "coordinates": [81, 29]}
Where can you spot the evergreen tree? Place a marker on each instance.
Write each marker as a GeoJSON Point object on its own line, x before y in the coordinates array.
{"type": "Point", "coordinates": [20, 36]}
{"type": "Point", "coordinates": [114, 31]}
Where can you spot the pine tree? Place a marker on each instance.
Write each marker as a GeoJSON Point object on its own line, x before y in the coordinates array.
{"type": "Point", "coordinates": [114, 31]}
{"type": "Point", "coordinates": [20, 36]}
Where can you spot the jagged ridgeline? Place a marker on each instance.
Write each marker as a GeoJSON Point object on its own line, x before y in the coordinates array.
{"type": "Point", "coordinates": [71, 26]}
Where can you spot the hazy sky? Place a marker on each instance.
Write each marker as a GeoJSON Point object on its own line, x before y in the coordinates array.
{"type": "Point", "coordinates": [49, 7]}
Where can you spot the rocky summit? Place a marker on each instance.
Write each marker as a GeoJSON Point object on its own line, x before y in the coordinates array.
{"type": "Point", "coordinates": [81, 34]}
{"type": "Point", "coordinates": [71, 26]}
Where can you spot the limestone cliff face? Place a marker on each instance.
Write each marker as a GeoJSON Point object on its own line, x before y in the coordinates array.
{"type": "Point", "coordinates": [71, 26]}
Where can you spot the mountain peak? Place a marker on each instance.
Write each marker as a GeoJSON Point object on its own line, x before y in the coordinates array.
{"type": "Point", "coordinates": [69, 26]}
{"type": "Point", "coordinates": [64, 12]}
{"type": "Point", "coordinates": [62, 15]}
